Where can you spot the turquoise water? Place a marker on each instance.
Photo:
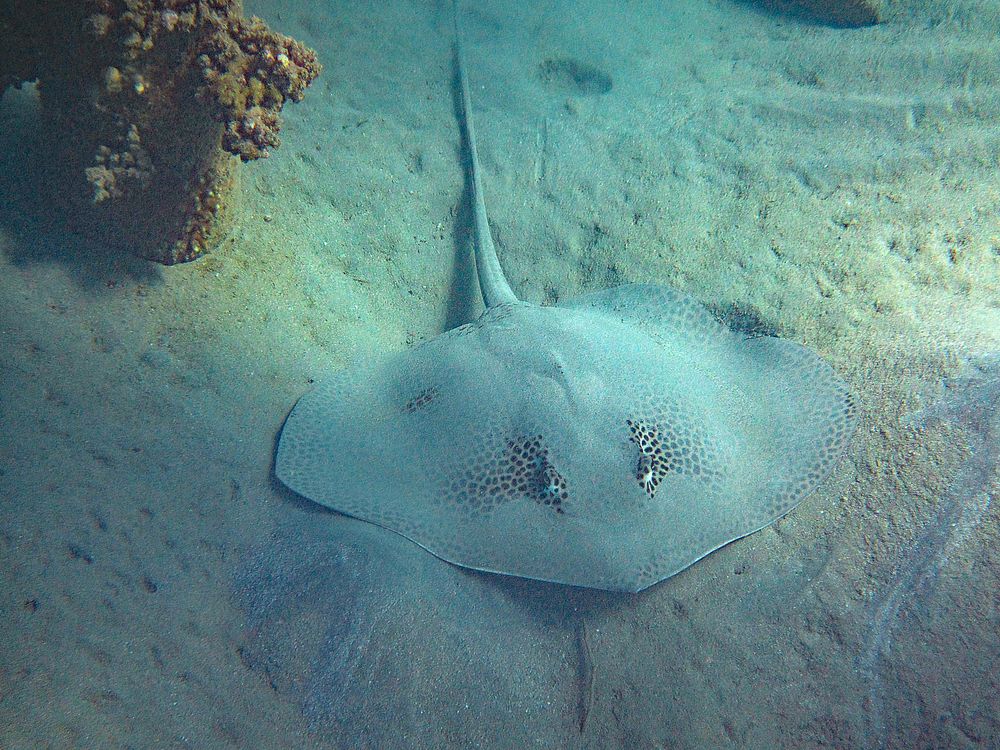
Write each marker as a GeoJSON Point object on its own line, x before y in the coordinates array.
{"type": "Point", "coordinates": [831, 186]}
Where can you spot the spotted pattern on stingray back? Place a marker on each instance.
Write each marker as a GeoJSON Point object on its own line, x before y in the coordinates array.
{"type": "Point", "coordinates": [607, 444]}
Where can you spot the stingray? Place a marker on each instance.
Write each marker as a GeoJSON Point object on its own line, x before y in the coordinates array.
{"type": "Point", "coordinates": [609, 441]}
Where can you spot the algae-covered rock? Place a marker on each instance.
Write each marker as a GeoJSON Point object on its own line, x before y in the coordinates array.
{"type": "Point", "coordinates": [144, 105]}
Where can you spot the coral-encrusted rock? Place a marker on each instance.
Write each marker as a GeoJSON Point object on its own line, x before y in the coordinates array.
{"type": "Point", "coordinates": [143, 103]}
{"type": "Point", "coordinates": [250, 72]}
{"type": "Point", "coordinates": [836, 12]}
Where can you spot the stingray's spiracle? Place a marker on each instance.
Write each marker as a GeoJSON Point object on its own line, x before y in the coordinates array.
{"type": "Point", "coordinates": [552, 486]}
{"type": "Point", "coordinates": [532, 474]}
{"type": "Point", "coordinates": [645, 473]}
{"type": "Point", "coordinates": [651, 468]}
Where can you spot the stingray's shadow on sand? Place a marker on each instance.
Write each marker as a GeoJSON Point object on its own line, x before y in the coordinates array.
{"type": "Point", "coordinates": [790, 11]}
{"type": "Point", "coordinates": [367, 632]}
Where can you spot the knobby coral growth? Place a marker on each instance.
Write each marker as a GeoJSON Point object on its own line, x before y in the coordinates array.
{"type": "Point", "coordinates": [144, 100]}
{"type": "Point", "coordinates": [250, 72]}
{"type": "Point", "coordinates": [115, 169]}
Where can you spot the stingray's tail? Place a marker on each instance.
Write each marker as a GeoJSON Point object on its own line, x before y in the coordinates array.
{"type": "Point", "coordinates": [492, 283]}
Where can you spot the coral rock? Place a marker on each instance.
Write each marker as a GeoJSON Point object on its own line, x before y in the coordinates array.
{"type": "Point", "coordinates": [249, 72]}
{"type": "Point", "coordinates": [143, 103]}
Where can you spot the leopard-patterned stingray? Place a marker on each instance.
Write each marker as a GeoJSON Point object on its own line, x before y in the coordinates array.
{"type": "Point", "coordinates": [610, 441]}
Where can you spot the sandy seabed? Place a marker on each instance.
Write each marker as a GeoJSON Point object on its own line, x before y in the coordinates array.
{"type": "Point", "coordinates": [835, 187]}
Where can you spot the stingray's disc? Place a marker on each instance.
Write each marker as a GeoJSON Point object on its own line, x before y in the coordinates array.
{"type": "Point", "coordinates": [610, 443]}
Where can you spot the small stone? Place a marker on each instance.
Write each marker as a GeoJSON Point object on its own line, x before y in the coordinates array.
{"type": "Point", "coordinates": [113, 80]}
